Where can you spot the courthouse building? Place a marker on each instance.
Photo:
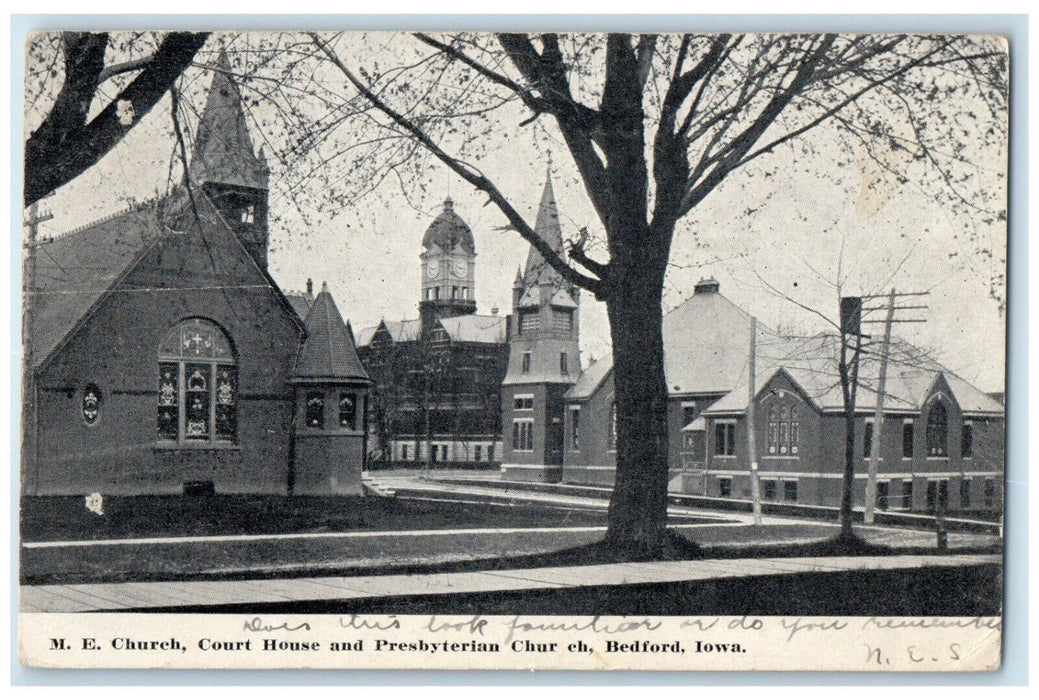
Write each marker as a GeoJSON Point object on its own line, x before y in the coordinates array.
{"type": "Point", "coordinates": [437, 377]}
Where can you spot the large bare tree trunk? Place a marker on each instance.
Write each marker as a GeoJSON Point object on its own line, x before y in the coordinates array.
{"type": "Point", "coordinates": [638, 509]}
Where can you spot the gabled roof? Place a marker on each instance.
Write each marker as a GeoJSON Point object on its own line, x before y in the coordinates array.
{"type": "Point", "coordinates": [473, 328]}
{"type": "Point", "coordinates": [812, 368]}
{"type": "Point", "coordinates": [449, 231]}
{"type": "Point", "coordinates": [399, 331]}
{"type": "Point", "coordinates": [75, 270]}
{"type": "Point", "coordinates": [300, 302]}
{"type": "Point", "coordinates": [223, 151]}
{"type": "Point", "coordinates": [328, 353]}
{"type": "Point", "coordinates": [591, 378]}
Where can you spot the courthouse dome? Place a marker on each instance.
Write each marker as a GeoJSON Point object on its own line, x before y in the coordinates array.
{"type": "Point", "coordinates": [449, 231]}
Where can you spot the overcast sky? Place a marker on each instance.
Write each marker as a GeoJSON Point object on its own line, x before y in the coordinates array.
{"type": "Point", "coordinates": [369, 252]}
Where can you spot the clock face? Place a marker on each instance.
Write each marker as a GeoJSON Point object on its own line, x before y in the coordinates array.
{"type": "Point", "coordinates": [433, 268]}
{"type": "Point", "coordinates": [461, 268]}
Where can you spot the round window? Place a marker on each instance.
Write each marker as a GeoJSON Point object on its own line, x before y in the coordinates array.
{"type": "Point", "coordinates": [91, 404]}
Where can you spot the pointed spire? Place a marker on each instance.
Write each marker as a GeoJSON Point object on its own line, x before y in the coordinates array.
{"type": "Point", "coordinates": [223, 152]}
{"type": "Point", "coordinates": [548, 228]}
{"type": "Point", "coordinates": [329, 353]}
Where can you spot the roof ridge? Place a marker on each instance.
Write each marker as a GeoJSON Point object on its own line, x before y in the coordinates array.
{"type": "Point", "coordinates": [108, 217]}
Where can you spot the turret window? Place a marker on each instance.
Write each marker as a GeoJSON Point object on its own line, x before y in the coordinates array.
{"type": "Point", "coordinates": [348, 411]}
{"type": "Point", "coordinates": [526, 363]}
{"type": "Point", "coordinates": [314, 410]}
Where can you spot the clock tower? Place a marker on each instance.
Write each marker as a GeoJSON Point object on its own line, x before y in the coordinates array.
{"type": "Point", "coordinates": [448, 268]}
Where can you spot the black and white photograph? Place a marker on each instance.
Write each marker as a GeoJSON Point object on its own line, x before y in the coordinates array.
{"type": "Point", "coordinates": [500, 350]}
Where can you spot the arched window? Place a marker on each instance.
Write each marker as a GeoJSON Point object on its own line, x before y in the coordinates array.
{"type": "Point", "coordinates": [937, 431]}
{"type": "Point", "coordinates": [198, 385]}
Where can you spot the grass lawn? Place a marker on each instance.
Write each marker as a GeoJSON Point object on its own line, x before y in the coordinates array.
{"type": "Point", "coordinates": [377, 538]}
{"type": "Point", "coordinates": [66, 518]}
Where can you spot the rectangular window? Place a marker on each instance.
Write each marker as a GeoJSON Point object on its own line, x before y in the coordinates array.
{"type": "Point", "coordinates": [226, 397]}
{"type": "Point", "coordinates": [768, 489]}
{"type": "Point", "coordinates": [523, 402]}
{"type": "Point", "coordinates": [907, 439]}
{"type": "Point", "coordinates": [404, 452]}
{"type": "Point", "coordinates": [883, 488]}
{"type": "Point", "coordinates": [724, 487]}
{"type": "Point", "coordinates": [907, 494]}
{"type": "Point", "coordinates": [990, 493]}
{"type": "Point", "coordinates": [563, 320]}
{"type": "Point", "coordinates": [435, 452]}
{"type": "Point", "coordinates": [965, 494]}
{"type": "Point", "coordinates": [562, 363]}
{"type": "Point", "coordinates": [689, 412]}
{"type": "Point", "coordinates": [523, 435]}
{"type": "Point", "coordinates": [478, 453]}
{"type": "Point", "coordinates": [867, 439]}
{"type": "Point", "coordinates": [937, 495]}
{"type": "Point", "coordinates": [575, 429]}
{"type": "Point", "coordinates": [169, 396]}
{"type": "Point", "coordinates": [197, 381]}
{"type": "Point", "coordinates": [790, 491]}
{"type": "Point", "coordinates": [724, 439]}
{"type": "Point", "coordinates": [967, 441]}
{"type": "Point", "coordinates": [526, 363]}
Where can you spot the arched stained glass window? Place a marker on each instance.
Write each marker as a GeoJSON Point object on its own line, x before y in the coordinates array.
{"type": "Point", "coordinates": [198, 385]}
{"type": "Point", "coordinates": [937, 430]}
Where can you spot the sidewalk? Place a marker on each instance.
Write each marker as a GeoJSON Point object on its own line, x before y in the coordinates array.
{"type": "Point", "coordinates": [125, 596]}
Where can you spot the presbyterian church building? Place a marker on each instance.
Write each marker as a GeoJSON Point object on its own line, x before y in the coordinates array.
{"type": "Point", "coordinates": [162, 356]}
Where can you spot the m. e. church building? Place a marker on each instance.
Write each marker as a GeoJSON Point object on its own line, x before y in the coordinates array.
{"type": "Point", "coordinates": [163, 357]}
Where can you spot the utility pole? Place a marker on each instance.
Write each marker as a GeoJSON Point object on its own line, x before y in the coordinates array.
{"type": "Point", "coordinates": [752, 452]}
{"type": "Point", "coordinates": [32, 222]}
{"type": "Point", "coordinates": [878, 415]}
{"type": "Point", "coordinates": [878, 411]}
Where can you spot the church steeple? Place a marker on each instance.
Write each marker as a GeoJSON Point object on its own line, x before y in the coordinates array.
{"type": "Point", "coordinates": [225, 165]}
{"type": "Point", "coordinates": [544, 357]}
{"type": "Point", "coordinates": [548, 228]}
{"type": "Point", "coordinates": [223, 152]}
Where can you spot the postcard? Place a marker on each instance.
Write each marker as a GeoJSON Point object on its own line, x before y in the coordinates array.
{"type": "Point", "coordinates": [475, 350]}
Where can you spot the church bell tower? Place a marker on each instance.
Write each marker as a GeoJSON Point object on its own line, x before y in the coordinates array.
{"type": "Point", "coordinates": [224, 163]}
{"type": "Point", "coordinates": [544, 358]}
